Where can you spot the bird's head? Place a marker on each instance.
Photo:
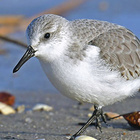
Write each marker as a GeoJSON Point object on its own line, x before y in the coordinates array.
{"type": "Point", "coordinates": [47, 37]}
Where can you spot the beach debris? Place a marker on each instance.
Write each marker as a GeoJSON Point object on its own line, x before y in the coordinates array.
{"type": "Point", "coordinates": [20, 108]}
{"type": "Point", "coordinates": [7, 98]}
{"type": "Point", "coordinates": [92, 108]}
{"type": "Point", "coordinates": [133, 119]}
{"type": "Point", "coordinates": [28, 120]}
{"type": "Point", "coordinates": [110, 115]}
{"type": "Point", "coordinates": [42, 107]}
{"type": "Point", "coordinates": [89, 115]}
{"type": "Point", "coordinates": [84, 137]}
{"type": "Point", "coordinates": [12, 23]}
{"type": "Point", "coordinates": [6, 110]}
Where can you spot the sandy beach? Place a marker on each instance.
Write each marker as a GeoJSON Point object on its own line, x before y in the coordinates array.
{"type": "Point", "coordinates": [63, 120]}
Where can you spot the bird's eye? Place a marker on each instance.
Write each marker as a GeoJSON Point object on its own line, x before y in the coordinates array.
{"type": "Point", "coordinates": [47, 35]}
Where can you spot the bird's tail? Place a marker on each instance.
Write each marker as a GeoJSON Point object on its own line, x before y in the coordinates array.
{"type": "Point", "coordinates": [132, 87]}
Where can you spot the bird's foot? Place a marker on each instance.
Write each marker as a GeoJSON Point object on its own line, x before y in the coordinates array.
{"type": "Point", "coordinates": [98, 124]}
{"type": "Point", "coordinates": [100, 118]}
{"type": "Point", "coordinates": [95, 117]}
{"type": "Point", "coordinates": [103, 117]}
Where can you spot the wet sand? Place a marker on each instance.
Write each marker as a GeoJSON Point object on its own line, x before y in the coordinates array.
{"type": "Point", "coordinates": [64, 119]}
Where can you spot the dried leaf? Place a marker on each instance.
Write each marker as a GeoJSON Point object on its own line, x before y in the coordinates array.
{"type": "Point", "coordinates": [133, 119]}
{"type": "Point", "coordinates": [7, 98]}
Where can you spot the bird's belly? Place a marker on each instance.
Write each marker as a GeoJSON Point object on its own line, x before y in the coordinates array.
{"type": "Point", "coordinates": [81, 84]}
{"type": "Point", "coordinates": [72, 82]}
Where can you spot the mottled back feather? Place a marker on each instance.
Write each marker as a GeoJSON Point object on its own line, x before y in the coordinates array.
{"type": "Point", "coordinates": [121, 49]}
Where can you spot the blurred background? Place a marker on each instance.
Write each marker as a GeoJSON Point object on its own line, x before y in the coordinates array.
{"type": "Point", "coordinates": [15, 15]}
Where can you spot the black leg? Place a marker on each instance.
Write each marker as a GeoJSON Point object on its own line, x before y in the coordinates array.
{"type": "Point", "coordinates": [103, 117]}
{"type": "Point", "coordinates": [96, 114]}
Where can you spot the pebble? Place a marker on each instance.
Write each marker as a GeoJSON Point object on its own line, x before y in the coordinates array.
{"type": "Point", "coordinates": [89, 115]}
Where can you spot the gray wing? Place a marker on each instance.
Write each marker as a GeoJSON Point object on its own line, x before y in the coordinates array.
{"type": "Point", "coordinates": [121, 49]}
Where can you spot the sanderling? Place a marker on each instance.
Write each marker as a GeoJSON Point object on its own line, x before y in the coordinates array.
{"type": "Point", "coordinates": [87, 60]}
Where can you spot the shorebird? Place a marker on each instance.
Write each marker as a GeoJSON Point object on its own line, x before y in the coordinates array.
{"type": "Point", "coordinates": [87, 60]}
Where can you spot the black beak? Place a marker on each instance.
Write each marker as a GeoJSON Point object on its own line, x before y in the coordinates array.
{"type": "Point", "coordinates": [28, 54]}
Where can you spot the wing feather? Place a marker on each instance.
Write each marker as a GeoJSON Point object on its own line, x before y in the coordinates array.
{"type": "Point", "coordinates": [121, 49]}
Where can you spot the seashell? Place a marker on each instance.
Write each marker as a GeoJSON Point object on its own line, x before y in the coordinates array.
{"type": "Point", "coordinates": [133, 119]}
{"type": "Point", "coordinates": [6, 110]}
{"type": "Point", "coordinates": [42, 107]}
{"type": "Point", "coordinates": [20, 109]}
{"type": "Point", "coordinates": [84, 137]}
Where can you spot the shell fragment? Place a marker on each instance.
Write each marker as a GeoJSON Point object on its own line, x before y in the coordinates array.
{"type": "Point", "coordinates": [42, 107]}
{"type": "Point", "coordinates": [84, 138]}
{"type": "Point", "coordinates": [6, 110]}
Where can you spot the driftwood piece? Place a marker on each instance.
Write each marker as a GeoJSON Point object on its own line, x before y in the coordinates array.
{"type": "Point", "coordinates": [61, 9]}
{"type": "Point", "coordinates": [11, 24]}
{"type": "Point", "coordinates": [10, 20]}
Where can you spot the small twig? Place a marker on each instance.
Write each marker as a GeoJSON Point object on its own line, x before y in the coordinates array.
{"type": "Point", "coordinates": [7, 39]}
{"type": "Point", "coordinates": [114, 117]}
